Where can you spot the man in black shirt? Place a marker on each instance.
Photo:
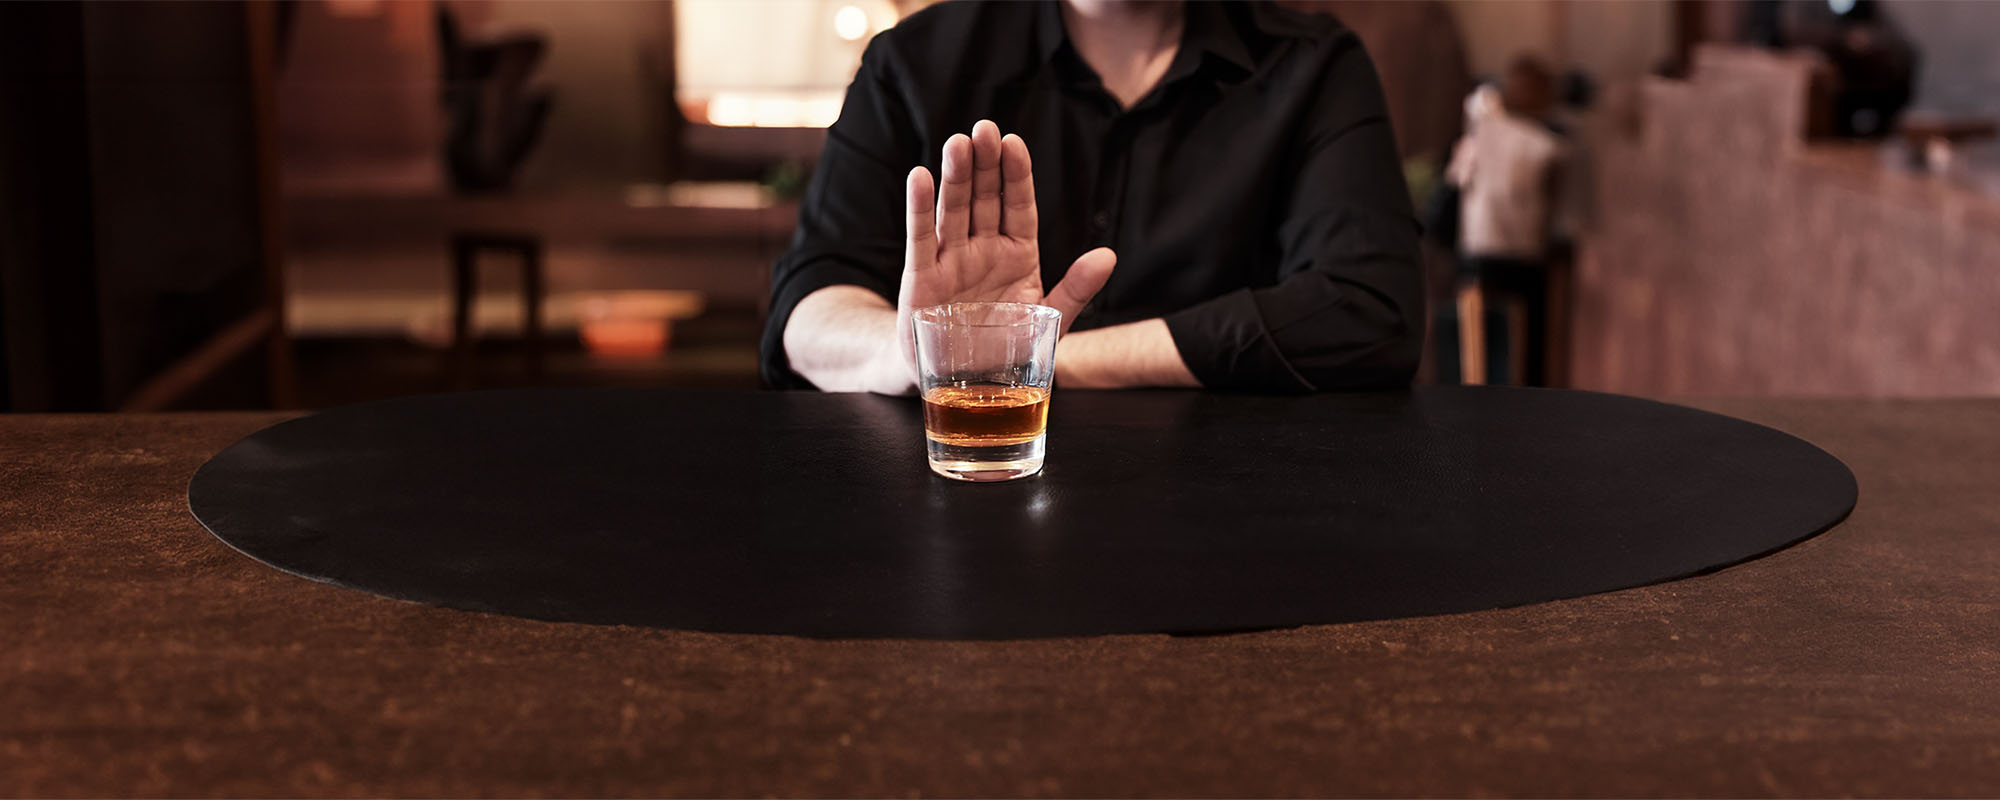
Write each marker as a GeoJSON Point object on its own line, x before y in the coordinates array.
{"type": "Point", "coordinates": [1236, 158]}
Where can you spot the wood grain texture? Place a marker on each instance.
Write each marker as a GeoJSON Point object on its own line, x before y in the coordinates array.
{"type": "Point", "coordinates": [143, 657]}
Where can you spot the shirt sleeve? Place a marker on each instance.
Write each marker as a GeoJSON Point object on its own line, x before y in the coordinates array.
{"type": "Point", "coordinates": [850, 228]}
{"type": "Point", "coordinates": [1347, 311]}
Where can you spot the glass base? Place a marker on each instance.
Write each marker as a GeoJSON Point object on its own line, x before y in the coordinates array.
{"type": "Point", "coordinates": [1003, 462]}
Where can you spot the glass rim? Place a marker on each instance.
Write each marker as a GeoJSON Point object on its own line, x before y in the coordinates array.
{"type": "Point", "coordinates": [1034, 314]}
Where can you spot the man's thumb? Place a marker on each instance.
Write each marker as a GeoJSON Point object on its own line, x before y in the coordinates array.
{"type": "Point", "coordinates": [1081, 283]}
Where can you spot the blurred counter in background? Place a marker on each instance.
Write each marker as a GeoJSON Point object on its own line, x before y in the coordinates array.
{"type": "Point", "coordinates": [1734, 254]}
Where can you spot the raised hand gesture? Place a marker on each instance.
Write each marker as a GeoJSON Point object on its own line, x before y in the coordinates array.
{"type": "Point", "coordinates": [973, 237]}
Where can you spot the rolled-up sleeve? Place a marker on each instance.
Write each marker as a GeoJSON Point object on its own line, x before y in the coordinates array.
{"type": "Point", "coordinates": [1347, 311]}
{"type": "Point", "coordinates": [850, 228]}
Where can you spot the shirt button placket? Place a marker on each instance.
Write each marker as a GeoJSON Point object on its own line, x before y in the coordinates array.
{"type": "Point", "coordinates": [1111, 179]}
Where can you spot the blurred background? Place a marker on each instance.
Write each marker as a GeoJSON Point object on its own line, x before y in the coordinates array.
{"type": "Point", "coordinates": [314, 202]}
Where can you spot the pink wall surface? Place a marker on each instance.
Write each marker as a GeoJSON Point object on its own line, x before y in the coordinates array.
{"type": "Point", "coordinates": [1730, 255]}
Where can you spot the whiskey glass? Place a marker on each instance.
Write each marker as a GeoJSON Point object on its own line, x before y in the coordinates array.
{"type": "Point", "coordinates": [984, 371]}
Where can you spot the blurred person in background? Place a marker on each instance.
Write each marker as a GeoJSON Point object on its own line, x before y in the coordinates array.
{"type": "Point", "coordinates": [1507, 172]}
{"type": "Point", "coordinates": [1233, 162]}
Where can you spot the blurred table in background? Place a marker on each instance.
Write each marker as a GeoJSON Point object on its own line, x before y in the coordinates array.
{"type": "Point", "coordinates": [719, 240]}
{"type": "Point", "coordinates": [378, 267]}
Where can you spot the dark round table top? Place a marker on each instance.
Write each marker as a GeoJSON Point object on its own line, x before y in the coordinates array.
{"type": "Point", "coordinates": [815, 514]}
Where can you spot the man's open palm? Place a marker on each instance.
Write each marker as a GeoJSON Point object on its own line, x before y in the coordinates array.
{"type": "Point", "coordinates": [973, 237]}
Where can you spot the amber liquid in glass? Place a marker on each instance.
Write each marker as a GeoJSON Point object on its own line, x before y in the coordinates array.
{"type": "Point", "coordinates": [985, 414]}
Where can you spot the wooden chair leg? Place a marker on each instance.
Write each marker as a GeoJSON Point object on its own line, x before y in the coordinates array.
{"type": "Point", "coordinates": [464, 287]}
{"type": "Point", "coordinates": [531, 299]}
{"type": "Point", "coordinates": [1471, 334]}
{"type": "Point", "coordinates": [1516, 313]}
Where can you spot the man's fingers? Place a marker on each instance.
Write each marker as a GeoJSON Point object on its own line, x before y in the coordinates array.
{"type": "Point", "coordinates": [954, 214]}
{"type": "Point", "coordinates": [985, 178]}
{"type": "Point", "coordinates": [1018, 173]}
{"type": "Point", "coordinates": [1081, 283]}
{"type": "Point", "coordinates": [922, 199]}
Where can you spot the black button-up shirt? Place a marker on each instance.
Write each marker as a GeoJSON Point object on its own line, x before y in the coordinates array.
{"type": "Point", "coordinates": [1254, 197]}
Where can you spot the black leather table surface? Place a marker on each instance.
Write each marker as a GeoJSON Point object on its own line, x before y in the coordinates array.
{"type": "Point", "coordinates": [1180, 512]}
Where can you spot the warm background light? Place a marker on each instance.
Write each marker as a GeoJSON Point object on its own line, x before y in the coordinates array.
{"type": "Point", "coordinates": [850, 22]}
{"type": "Point", "coordinates": [777, 64]}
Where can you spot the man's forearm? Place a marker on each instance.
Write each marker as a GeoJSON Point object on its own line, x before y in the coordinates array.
{"type": "Point", "coordinates": [1122, 356]}
{"type": "Point", "coordinates": [843, 339]}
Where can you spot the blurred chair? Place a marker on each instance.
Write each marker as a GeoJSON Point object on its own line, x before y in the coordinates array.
{"type": "Point", "coordinates": [494, 118]}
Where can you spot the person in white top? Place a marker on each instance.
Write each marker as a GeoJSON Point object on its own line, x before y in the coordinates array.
{"type": "Point", "coordinates": [1507, 170]}
{"type": "Point", "coordinates": [1504, 168]}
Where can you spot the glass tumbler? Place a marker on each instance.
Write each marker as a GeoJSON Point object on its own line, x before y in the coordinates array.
{"type": "Point", "coordinates": [984, 370]}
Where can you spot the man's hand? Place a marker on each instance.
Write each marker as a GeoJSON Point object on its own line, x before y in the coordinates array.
{"type": "Point", "coordinates": [973, 237]}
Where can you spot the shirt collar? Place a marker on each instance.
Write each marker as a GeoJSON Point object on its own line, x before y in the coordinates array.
{"type": "Point", "coordinates": [1208, 29]}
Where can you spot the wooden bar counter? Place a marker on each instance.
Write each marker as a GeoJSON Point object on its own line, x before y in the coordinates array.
{"type": "Point", "coordinates": [141, 656]}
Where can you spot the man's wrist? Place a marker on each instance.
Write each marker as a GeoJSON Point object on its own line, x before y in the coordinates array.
{"type": "Point", "coordinates": [1074, 367]}
{"type": "Point", "coordinates": [893, 372]}
{"type": "Point", "coordinates": [1134, 354]}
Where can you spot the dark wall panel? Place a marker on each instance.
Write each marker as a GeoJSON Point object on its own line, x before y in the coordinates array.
{"type": "Point", "coordinates": [48, 306]}
{"type": "Point", "coordinates": [131, 220]}
{"type": "Point", "coordinates": [174, 176]}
